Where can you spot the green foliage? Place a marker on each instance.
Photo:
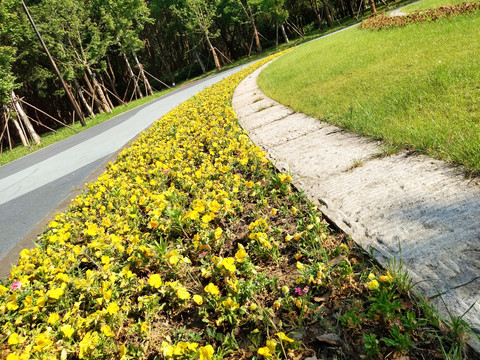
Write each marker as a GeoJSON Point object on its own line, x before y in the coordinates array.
{"type": "Point", "coordinates": [6, 77]}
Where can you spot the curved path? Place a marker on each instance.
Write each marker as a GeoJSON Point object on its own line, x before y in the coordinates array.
{"type": "Point", "coordinates": [410, 207]}
{"type": "Point", "coordinates": [35, 187]}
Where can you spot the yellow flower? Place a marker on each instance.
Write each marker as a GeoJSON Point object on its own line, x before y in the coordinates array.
{"type": "Point", "coordinates": [42, 341]}
{"type": "Point", "coordinates": [167, 349]}
{"type": "Point", "coordinates": [183, 293]}
{"type": "Point", "coordinates": [112, 308]}
{"type": "Point", "coordinates": [272, 344]}
{"type": "Point", "coordinates": [198, 299]}
{"type": "Point", "coordinates": [284, 337]}
{"type": "Point", "coordinates": [373, 285]}
{"type": "Point", "coordinates": [241, 254]}
{"type": "Point", "coordinates": [88, 344]}
{"type": "Point", "coordinates": [91, 229]}
{"type": "Point", "coordinates": [13, 356]}
{"type": "Point", "coordinates": [15, 339]}
{"type": "Point", "coordinates": [206, 352]}
{"type": "Point", "coordinates": [155, 281]}
{"type": "Point", "coordinates": [55, 293]}
{"type": "Point", "coordinates": [67, 331]}
{"type": "Point", "coordinates": [122, 350]}
{"type": "Point", "coordinates": [105, 329]}
{"type": "Point", "coordinates": [12, 305]}
{"type": "Point", "coordinates": [144, 327]}
{"type": "Point", "coordinates": [41, 301]}
{"type": "Point", "coordinates": [228, 264]}
{"type": "Point", "coordinates": [214, 206]}
{"type": "Point", "coordinates": [233, 285]}
{"type": "Point", "coordinates": [230, 303]}
{"type": "Point", "coordinates": [386, 278]}
{"type": "Point", "coordinates": [265, 351]}
{"type": "Point", "coordinates": [53, 318]}
{"type": "Point", "coordinates": [207, 218]}
{"type": "Point", "coordinates": [218, 233]}
{"type": "Point", "coordinates": [212, 289]}
{"type": "Point", "coordinates": [153, 224]}
{"type": "Point", "coordinates": [300, 266]}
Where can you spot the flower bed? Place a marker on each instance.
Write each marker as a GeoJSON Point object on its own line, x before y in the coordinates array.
{"type": "Point", "coordinates": [191, 245]}
{"type": "Point", "coordinates": [383, 21]}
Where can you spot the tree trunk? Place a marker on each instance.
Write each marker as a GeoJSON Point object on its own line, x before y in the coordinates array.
{"type": "Point", "coordinates": [21, 132]}
{"type": "Point", "coordinates": [284, 33]}
{"type": "Point", "coordinates": [257, 37]}
{"type": "Point", "coordinates": [24, 118]}
{"type": "Point", "coordinates": [372, 7]}
{"type": "Point", "coordinates": [110, 103]}
{"type": "Point", "coordinates": [276, 33]}
{"type": "Point", "coordinates": [214, 53]}
{"type": "Point", "coordinates": [111, 78]}
{"type": "Point", "coordinates": [199, 59]}
{"type": "Point", "coordinates": [92, 94]}
{"type": "Point", "coordinates": [99, 91]}
{"type": "Point", "coordinates": [82, 100]}
{"type": "Point", "coordinates": [133, 77]}
{"type": "Point", "coordinates": [316, 10]}
{"type": "Point", "coordinates": [328, 13]}
{"type": "Point", "coordinates": [148, 88]}
{"type": "Point", "coordinates": [351, 10]}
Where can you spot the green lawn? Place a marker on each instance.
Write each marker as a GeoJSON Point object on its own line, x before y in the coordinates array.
{"type": "Point", "coordinates": [415, 87]}
{"type": "Point", "coordinates": [429, 4]}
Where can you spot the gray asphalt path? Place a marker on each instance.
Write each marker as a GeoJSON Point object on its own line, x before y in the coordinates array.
{"type": "Point", "coordinates": [34, 186]}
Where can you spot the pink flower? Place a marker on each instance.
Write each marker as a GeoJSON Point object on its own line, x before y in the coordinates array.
{"type": "Point", "coordinates": [203, 254]}
{"type": "Point", "coordinates": [166, 171]}
{"type": "Point", "coordinates": [16, 285]}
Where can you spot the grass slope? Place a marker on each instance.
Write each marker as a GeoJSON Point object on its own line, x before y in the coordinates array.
{"type": "Point", "coordinates": [430, 4]}
{"type": "Point", "coordinates": [415, 87]}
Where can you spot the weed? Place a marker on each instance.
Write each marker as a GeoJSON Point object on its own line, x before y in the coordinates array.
{"type": "Point", "coordinates": [371, 345]}
{"type": "Point", "coordinates": [401, 342]}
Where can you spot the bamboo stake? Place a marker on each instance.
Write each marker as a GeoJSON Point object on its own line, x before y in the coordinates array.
{"type": "Point", "coordinates": [40, 124]}
{"type": "Point", "coordinates": [8, 134]}
{"type": "Point", "coordinates": [111, 93]}
{"type": "Point", "coordinates": [153, 77]}
{"type": "Point", "coordinates": [50, 116]}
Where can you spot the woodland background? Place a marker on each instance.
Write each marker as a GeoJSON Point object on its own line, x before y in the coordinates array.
{"type": "Point", "coordinates": [109, 52]}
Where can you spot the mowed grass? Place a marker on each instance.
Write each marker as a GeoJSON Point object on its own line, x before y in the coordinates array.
{"type": "Point", "coordinates": [416, 87]}
{"type": "Point", "coordinates": [430, 4]}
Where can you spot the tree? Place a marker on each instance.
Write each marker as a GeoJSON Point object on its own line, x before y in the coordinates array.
{"type": "Point", "coordinates": [198, 17]}
{"type": "Point", "coordinates": [122, 21]}
{"type": "Point", "coordinates": [275, 11]}
{"type": "Point", "coordinates": [248, 7]}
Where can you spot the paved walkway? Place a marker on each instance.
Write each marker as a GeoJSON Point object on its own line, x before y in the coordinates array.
{"type": "Point", "coordinates": [422, 206]}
